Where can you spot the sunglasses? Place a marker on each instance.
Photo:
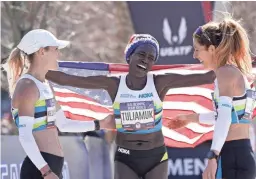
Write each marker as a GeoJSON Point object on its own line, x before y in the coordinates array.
{"type": "Point", "coordinates": [200, 32]}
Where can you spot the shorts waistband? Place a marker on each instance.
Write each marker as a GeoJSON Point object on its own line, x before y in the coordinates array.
{"type": "Point", "coordinates": [141, 153]}
{"type": "Point", "coordinates": [237, 143]}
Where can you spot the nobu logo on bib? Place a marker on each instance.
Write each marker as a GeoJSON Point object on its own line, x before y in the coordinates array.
{"type": "Point", "coordinates": [137, 115]}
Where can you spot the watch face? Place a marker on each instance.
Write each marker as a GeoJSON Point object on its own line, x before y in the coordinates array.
{"type": "Point", "coordinates": [211, 155]}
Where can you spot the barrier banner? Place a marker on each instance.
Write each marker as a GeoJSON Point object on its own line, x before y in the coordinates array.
{"type": "Point", "coordinates": [183, 163]}
{"type": "Point", "coordinates": [187, 163]}
{"type": "Point", "coordinates": [75, 165]}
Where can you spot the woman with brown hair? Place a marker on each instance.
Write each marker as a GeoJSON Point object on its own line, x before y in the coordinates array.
{"type": "Point", "coordinates": [224, 48]}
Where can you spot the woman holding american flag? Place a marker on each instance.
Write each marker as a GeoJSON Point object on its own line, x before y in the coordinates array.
{"type": "Point", "coordinates": [137, 102]}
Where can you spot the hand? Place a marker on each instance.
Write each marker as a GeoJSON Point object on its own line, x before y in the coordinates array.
{"type": "Point", "coordinates": [212, 76]}
{"type": "Point", "coordinates": [51, 176]}
{"type": "Point", "coordinates": [210, 170]}
{"type": "Point", "coordinates": [110, 136]}
{"type": "Point", "coordinates": [178, 122]}
{"type": "Point", "coordinates": [108, 123]}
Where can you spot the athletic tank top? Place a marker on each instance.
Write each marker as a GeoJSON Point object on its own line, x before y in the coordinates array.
{"type": "Point", "coordinates": [138, 111]}
{"type": "Point", "coordinates": [45, 109]}
{"type": "Point", "coordinates": [239, 104]}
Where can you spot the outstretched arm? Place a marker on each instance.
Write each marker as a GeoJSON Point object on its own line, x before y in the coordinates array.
{"type": "Point", "coordinates": [172, 80]}
{"type": "Point", "coordinates": [68, 125]}
{"type": "Point", "coordinates": [183, 120]}
{"type": "Point", "coordinates": [202, 118]}
{"type": "Point", "coordinates": [91, 82]}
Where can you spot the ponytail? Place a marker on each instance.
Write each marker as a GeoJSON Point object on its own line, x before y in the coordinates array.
{"type": "Point", "coordinates": [234, 46]}
{"type": "Point", "coordinates": [231, 42]}
{"type": "Point", "coordinates": [15, 68]}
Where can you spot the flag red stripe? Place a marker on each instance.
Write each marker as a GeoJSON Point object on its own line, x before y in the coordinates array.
{"type": "Point", "coordinates": [201, 100]}
{"type": "Point", "coordinates": [75, 95]}
{"type": "Point", "coordinates": [125, 68]}
{"type": "Point", "coordinates": [169, 113]}
{"type": "Point", "coordinates": [188, 132]}
{"type": "Point", "coordinates": [77, 117]}
{"type": "Point", "coordinates": [177, 144]}
{"type": "Point", "coordinates": [184, 131]}
{"type": "Point", "coordinates": [81, 105]}
{"type": "Point", "coordinates": [208, 86]}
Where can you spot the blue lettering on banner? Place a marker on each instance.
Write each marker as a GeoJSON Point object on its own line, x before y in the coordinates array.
{"type": "Point", "coordinates": [186, 166]}
{"type": "Point", "coordinates": [13, 155]}
{"type": "Point", "coordinates": [187, 163]}
{"type": "Point", "coordinates": [12, 171]}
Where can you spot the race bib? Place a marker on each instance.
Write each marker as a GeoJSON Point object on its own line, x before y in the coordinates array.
{"type": "Point", "coordinates": [51, 112]}
{"type": "Point", "coordinates": [249, 106]}
{"type": "Point", "coordinates": [137, 115]}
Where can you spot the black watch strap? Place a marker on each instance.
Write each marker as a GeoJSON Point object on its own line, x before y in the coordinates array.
{"type": "Point", "coordinates": [47, 173]}
{"type": "Point", "coordinates": [97, 124]}
{"type": "Point", "coordinates": [211, 155]}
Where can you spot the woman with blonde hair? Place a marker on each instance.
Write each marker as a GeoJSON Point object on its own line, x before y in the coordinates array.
{"type": "Point", "coordinates": [34, 107]}
{"type": "Point", "coordinates": [224, 48]}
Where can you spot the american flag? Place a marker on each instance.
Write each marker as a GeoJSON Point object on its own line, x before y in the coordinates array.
{"type": "Point", "coordinates": [90, 104]}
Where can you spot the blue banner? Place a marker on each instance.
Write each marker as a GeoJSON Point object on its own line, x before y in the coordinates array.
{"type": "Point", "coordinates": [188, 163]}
{"type": "Point", "coordinates": [172, 24]}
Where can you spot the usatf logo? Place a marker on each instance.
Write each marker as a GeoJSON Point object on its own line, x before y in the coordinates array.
{"type": "Point", "coordinates": [175, 40]}
{"type": "Point", "coordinates": [146, 95]}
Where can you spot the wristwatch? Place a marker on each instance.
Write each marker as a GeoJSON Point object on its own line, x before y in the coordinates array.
{"type": "Point", "coordinates": [211, 155]}
{"type": "Point", "coordinates": [97, 125]}
{"type": "Point", "coordinates": [47, 173]}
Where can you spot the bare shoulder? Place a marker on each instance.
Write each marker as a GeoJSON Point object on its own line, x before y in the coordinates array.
{"type": "Point", "coordinates": [227, 73]}
{"type": "Point", "coordinates": [158, 79]}
{"type": "Point", "coordinates": [229, 79]}
{"type": "Point", "coordinates": [25, 92]}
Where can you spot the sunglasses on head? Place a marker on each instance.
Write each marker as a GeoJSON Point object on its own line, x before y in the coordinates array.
{"type": "Point", "coordinates": [200, 32]}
